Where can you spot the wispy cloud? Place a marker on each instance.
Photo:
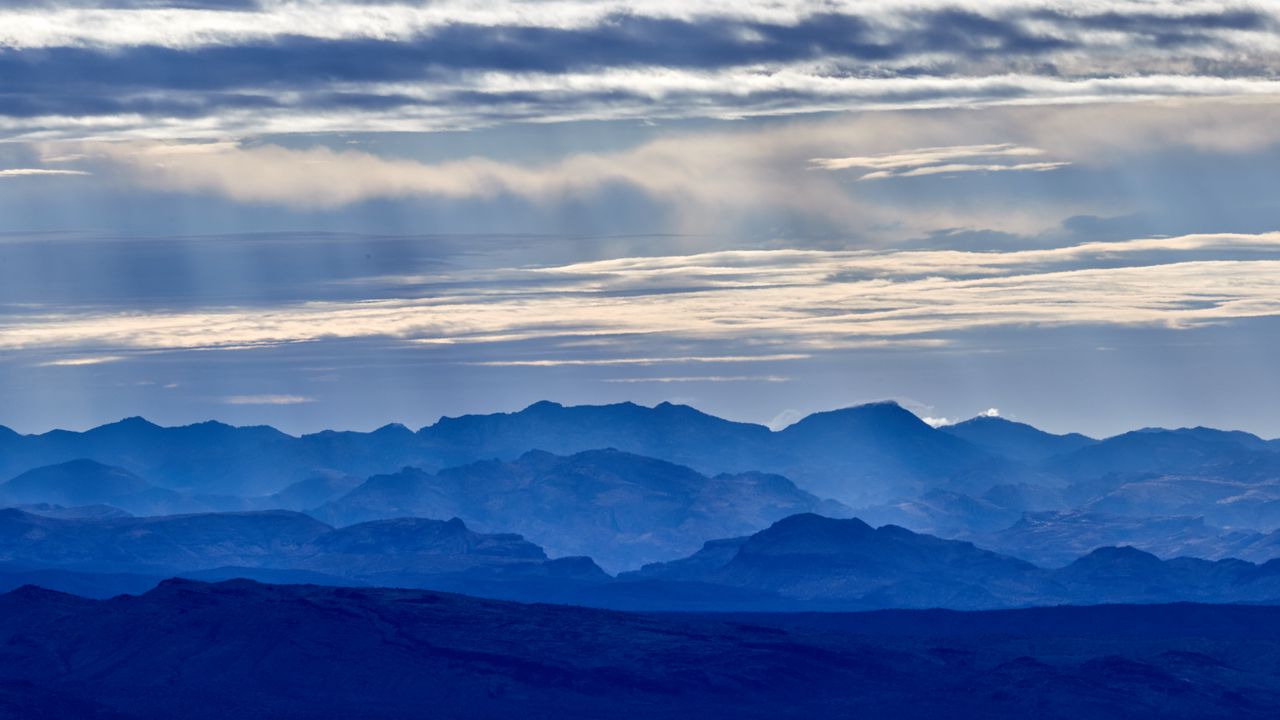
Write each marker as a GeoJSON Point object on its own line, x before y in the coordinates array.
{"type": "Point", "coordinates": [81, 361]}
{"type": "Point", "coordinates": [998, 157]}
{"type": "Point", "coordinates": [762, 304]}
{"type": "Point", "coordinates": [921, 157]}
{"type": "Point", "coordinates": [266, 400]}
{"type": "Point", "coordinates": [37, 172]}
{"type": "Point", "coordinates": [705, 180]}
{"type": "Point", "coordinates": [956, 168]}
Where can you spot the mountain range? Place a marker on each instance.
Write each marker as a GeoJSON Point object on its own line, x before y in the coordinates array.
{"type": "Point", "coordinates": [811, 562]}
{"type": "Point", "coordinates": [623, 509]}
{"type": "Point", "coordinates": [239, 649]}
{"type": "Point", "coordinates": [630, 485]}
{"type": "Point", "coordinates": [855, 455]}
{"type": "Point", "coordinates": [802, 562]}
{"type": "Point", "coordinates": [262, 543]}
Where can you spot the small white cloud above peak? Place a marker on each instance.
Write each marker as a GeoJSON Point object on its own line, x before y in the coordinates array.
{"type": "Point", "coordinates": [991, 412]}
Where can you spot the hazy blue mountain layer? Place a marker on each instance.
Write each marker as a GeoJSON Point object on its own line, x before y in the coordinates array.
{"type": "Point", "coordinates": [986, 479]}
{"type": "Point", "coordinates": [856, 455]}
{"type": "Point", "coordinates": [803, 562]}
{"type": "Point", "coordinates": [812, 562]}
{"type": "Point", "coordinates": [622, 509]}
{"type": "Point", "coordinates": [405, 549]}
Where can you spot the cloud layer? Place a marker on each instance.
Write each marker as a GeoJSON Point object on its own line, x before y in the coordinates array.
{"type": "Point", "coordinates": [183, 69]}
{"type": "Point", "coordinates": [758, 305]}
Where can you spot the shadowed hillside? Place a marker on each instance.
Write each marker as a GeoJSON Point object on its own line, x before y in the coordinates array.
{"type": "Point", "coordinates": [297, 651]}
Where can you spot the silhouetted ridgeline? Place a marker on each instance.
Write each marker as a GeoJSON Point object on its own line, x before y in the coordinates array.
{"type": "Point", "coordinates": [240, 649]}
{"type": "Point", "coordinates": [803, 562]}
{"type": "Point", "coordinates": [632, 485]}
{"type": "Point", "coordinates": [854, 455]}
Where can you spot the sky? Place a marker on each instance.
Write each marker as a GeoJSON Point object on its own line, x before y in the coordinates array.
{"type": "Point", "coordinates": [343, 213]}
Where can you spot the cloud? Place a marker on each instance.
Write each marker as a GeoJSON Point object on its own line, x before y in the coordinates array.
{"type": "Point", "coordinates": [991, 413]}
{"type": "Point", "coordinates": [752, 306]}
{"type": "Point", "coordinates": [941, 160]}
{"type": "Point", "coordinates": [954, 168]}
{"type": "Point", "coordinates": [306, 66]}
{"type": "Point", "coordinates": [706, 181]}
{"type": "Point", "coordinates": [937, 421]}
{"type": "Point", "coordinates": [81, 361]}
{"type": "Point", "coordinates": [923, 157]}
{"type": "Point", "coordinates": [266, 400]}
{"type": "Point", "coordinates": [36, 172]}
{"type": "Point", "coordinates": [787, 417]}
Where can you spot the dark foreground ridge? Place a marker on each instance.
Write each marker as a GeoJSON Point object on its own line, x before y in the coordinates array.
{"type": "Point", "coordinates": [240, 649]}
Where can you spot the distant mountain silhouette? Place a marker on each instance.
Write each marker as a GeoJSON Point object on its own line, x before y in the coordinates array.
{"type": "Point", "coordinates": [86, 482]}
{"type": "Point", "coordinates": [811, 562]}
{"type": "Point", "coordinates": [961, 481]}
{"type": "Point", "coordinates": [1159, 451]}
{"type": "Point", "coordinates": [676, 433]}
{"type": "Point", "coordinates": [309, 493]}
{"type": "Point", "coordinates": [1015, 440]}
{"type": "Point", "coordinates": [802, 562]}
{"type": "Point", "coordinates": [859, 455]}
{"type": "Point", "coordinates": [622, 509]}
{"type": "Point", "coordinates": [208, 457]}
{"type": "Point", "coordinates": [854, 455]}
{"type": "Point", "coordinates": [239, 649]}
{"type": "Point", "coordinates": [74, 511]}
{"type": "Point", "coordinates": [1057, 538]}
{"type": "Point", "coordinates": [944, 513]}
{"type": "Point", "coordinates": [388, 551]}
{"type": "Point", "coordinates": [873, 452]}
{"type": "Point", "coordinates": [830, 562]}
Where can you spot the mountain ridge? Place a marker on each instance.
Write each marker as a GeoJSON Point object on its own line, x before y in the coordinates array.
{"type": "Point", "coordinates": [331, 653]}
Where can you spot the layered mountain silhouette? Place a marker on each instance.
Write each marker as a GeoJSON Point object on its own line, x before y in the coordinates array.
{"type": "Point", "coordinates": [812, 562]}
{"type": "Point", "coordinates": [274, 545]}
{"type": "Point", "coordinates": [240, 649]}
{"type": "Point", "coordinates": [974, 480]}
{"type": "Point", "coordinates": [1015, 440]}
{"type": "Point", "coordinates": [856, 455]}
{"type": "Point", "coordinates": [87, 482]}
{"type": "Point", "coordinates": [622, 509]}
{"type": "Point", "coordinates": [803, 562]}
{"type": "Point", "coordinates": [1057, 538]}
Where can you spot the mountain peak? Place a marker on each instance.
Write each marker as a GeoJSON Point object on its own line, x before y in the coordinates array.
{"type": "Point", "coordinates": [543, 406]}
{"type": "Point", "coordinates": [990, 420]}
{"type": "Point", "coordinates": [885, 417]}
{"type": "Point", "coordinates": [134, 421]}
{"type": "Point", "coordinates": [812, 524]}
{"type": "Point", "coordinates": [1123, 556]}
{"type": "Point", "coordinates": [393, 428]}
